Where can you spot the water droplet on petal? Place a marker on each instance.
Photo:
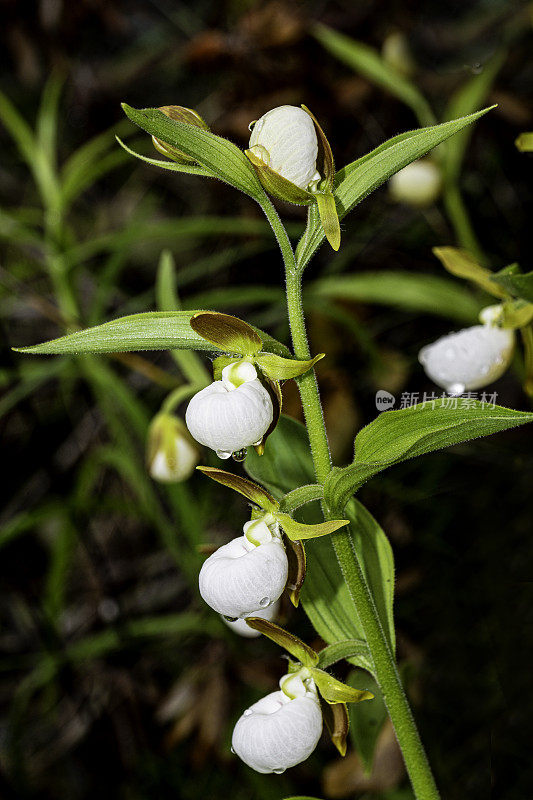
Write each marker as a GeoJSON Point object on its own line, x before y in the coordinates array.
{"type": "Point", "coordinates": [223, 454]}
{"type": "Point", "coordinates": [264, 602]}
{"type": "Point", "coordinates": [232, 750]}
{"type": "Point", "coordinates": [247, 713]}
{"type": "Point", "coordinates": [240, 455]}
{"type": "Point", "coordinates": [278, 771]}
{"type": "Point", "coordinates": [252, 125]}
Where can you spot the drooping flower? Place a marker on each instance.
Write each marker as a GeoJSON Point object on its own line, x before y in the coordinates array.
{"type": "Point", "coordinates": [471, 358]}
{"type": "Point", "coordinates": [231, 414]}
{"type": "Point", "coordinates": [418, 184]}
{"type": "Point", "coordinates": [283, 728]}
{"type": "Point", "coordinates": [171, 453]}
{"type": "Point", "coordinates": [247, 574]}
{"type": "Point", "coordinates": [285, 139]}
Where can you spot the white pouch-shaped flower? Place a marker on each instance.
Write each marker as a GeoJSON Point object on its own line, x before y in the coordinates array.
{"type": "Point", "coordinates": [240, 627]}
{"type": "Point", "coordinates": [230, 414]}
{"type": "Point", "coordinates": [468, 359]}
{"type": "Point", "coordinates": [282, 729]}
{"type": "Point", "coordinates": [285, 139]}
{"type": "Point", "coordinates": [247, 574]}
{"type": "Point", "coordinates": [417, 184]}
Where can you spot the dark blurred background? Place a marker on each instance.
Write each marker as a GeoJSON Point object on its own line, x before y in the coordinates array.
{"type": "Point", "coordinates": [116, 680]}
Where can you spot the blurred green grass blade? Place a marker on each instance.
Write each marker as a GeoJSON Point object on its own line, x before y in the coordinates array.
{"type": "Point", "coordinates": [61, 552]}
{"type": "Point", "coordinates": [357, 180]}
{"type": "Point", "coordinates": [467, 99]}
{"type": "Point", "coordinates": [147, 331]}
{"type": "Point", "coordinates": [107, 163]}
{"type": "Point", "coordinates": [29, 520]}
{"type": "Point", "coordinates": [368, 62]}
{"type": "Point", "coordinates": [47, 117]}
{"type": "Point", "coordinates": [409, 291]}
{"type": "Point", "coordinates": [235, 296]}
{"type": "Point", "coordinates": [18, 128]}
{"type": "Point", "coordinates": [29, 380]}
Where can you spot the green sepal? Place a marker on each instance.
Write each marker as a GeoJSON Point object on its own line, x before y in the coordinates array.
{"type": "Point", "coordinates": [516, 314]}
{"type": "Point", "coordinates": [337, 722]}
{"type": "Point", "coordinates": [226, 332]}
{"type": "Point", "coordinates": [187, 116]}
{"type": "Point", "coordinates": [276, 184]}
{"type": "Point", "coordinates": [325, 161]}
{"type": "Point", "coordinates": [292, 644]}
{"type": "Point", "coordinates": [256, 494]}
{"type": "Point", "coordinates": [299, 530]}
{"type": "Point", "coordinates": [329, 218]}
{"type": "Point", "coordinates": [282, 369]}
{"type": "Point", "coordinates": [334, 691]}
{"type": "Point", "coordinates": [297, 568]}
{"type": "Point", "coordinates": [463, 265]}
{"type": "Point", "coordinates": [274, 390]}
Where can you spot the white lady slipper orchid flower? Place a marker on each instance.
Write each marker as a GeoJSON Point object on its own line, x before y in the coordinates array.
{"type": "Point", "coordinates": [283, 728]}
{"type": "Point", "coordinates": [172, 453]}
{"type": "Point", "coordinates": [247, 574]}
{"type": "Point", "coordinates": [240, 627]}
{"type": "Point", "coordinates": [232, 413]}
{"type": "Point", "coordinates": [418, 184]}
{"type": "Point", "coordinates": [471, 358]}
{"type": "Point", "coordinates": [285, 139]}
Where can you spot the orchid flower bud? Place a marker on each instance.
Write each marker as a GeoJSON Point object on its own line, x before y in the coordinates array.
{"type": "Point", "coordinates": [231, 414]}
{"type": "Point", "coordinates": [283, 728]}
{"type": "Point", "coordinates": [247, 574]}
{"type": "Point", "coordinates": [471, 358]}
{"type": "Point", "coordinates": [418, 184]}
{"type": "Point", "coordinates": [172, 454]}
{"type": "Point", "coordinates": [240, 627]}
{"type": "Point", "coordinates": [285, 139]}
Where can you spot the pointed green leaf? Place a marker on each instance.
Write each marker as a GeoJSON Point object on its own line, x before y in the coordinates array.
{"type": "Point", "coordinates": [154, 330]}
{"type": "Point", "coordinates": [342, 650]}
{"type": "Point", "coordinates": [329, 218]}
{"type": "Point", "coordinates": [334, 691]}
{"type": "Point", "coordinates": [172, 166]}
{"type": "Point", "coordinates": [282, 369]}
{"type": "Point", "coordinates": [226, 332]}
{"type": "Point", "coordinates": [396, 436]}
{"type": "Point", "coordinates": [256, 494]}
{"type": "Point", "coordinates": [299, 530]}
{"type": "Point", "coordinates": [357, 180]}
{"type": "Point", "coordinates": [291, 643]}
{"type": "Point", "coordinates": [220, 156]}
{"type": "Point", "coordinates": [302, 495]}
{"type": "Point", "coordinates": [463, 265]}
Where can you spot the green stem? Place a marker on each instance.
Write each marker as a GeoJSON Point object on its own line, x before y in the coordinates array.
{"type": "Point", "coordinates": [384, 663]}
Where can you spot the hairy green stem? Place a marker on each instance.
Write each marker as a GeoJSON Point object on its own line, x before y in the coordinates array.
{"type": "Point", "coordinates": [384, 663]}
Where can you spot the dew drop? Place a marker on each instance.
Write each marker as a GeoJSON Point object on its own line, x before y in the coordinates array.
{"type": "Point", "coordinates": [232, 750]}
{"type": "Point", "coordinates": [252, 125]}
{"type": "Point", "coordinates": [223, 454]}
{"type": "Point", "coordinates": [278, 771]}
{"type": "Point", "coordinates": [239, 455]}
{"type": "Point", "coordinates": [264, 602]}
{"type": "Point", "coordinates": [247, 713]}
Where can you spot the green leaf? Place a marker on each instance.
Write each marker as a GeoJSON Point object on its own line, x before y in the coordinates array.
{"type": "Point", "coordinates": [367, 719]}
{"type": "Point", "coordinates": [256, 494]}
{"type": "Point", "coordinates": [333, 691]}
{"type": "Point", "coordinates": [172, 166]}
{"type": "Point", "coordinates": [463, 265]}
{"type": "Point", "coordinates": [409, 291]}
{"type": "Point", "coordinates": [517, 284]}
{"type": "Point", "coordinates": [157, 330]}
{"type": "Point", "coordinates": [396, 436]}
{"type": "Point", "coordinates": [299, 531]}
{"type": "Point", "coordinates": [220, 156]}
{"type": "Point", "coordinates": [340, 651]}
{"type": "Point", "coordinates": [226, 332]}
{"type": "Point", "coordinates": [291, 643]}
{"type": "Point", "coordinates": [287, 464]}
{"type": "Point", "coordinates": [357, 180]}
{"type": "Point", "coordinates": [368, 62]}
{"type": "Point", "coordinates": [282, 369]}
